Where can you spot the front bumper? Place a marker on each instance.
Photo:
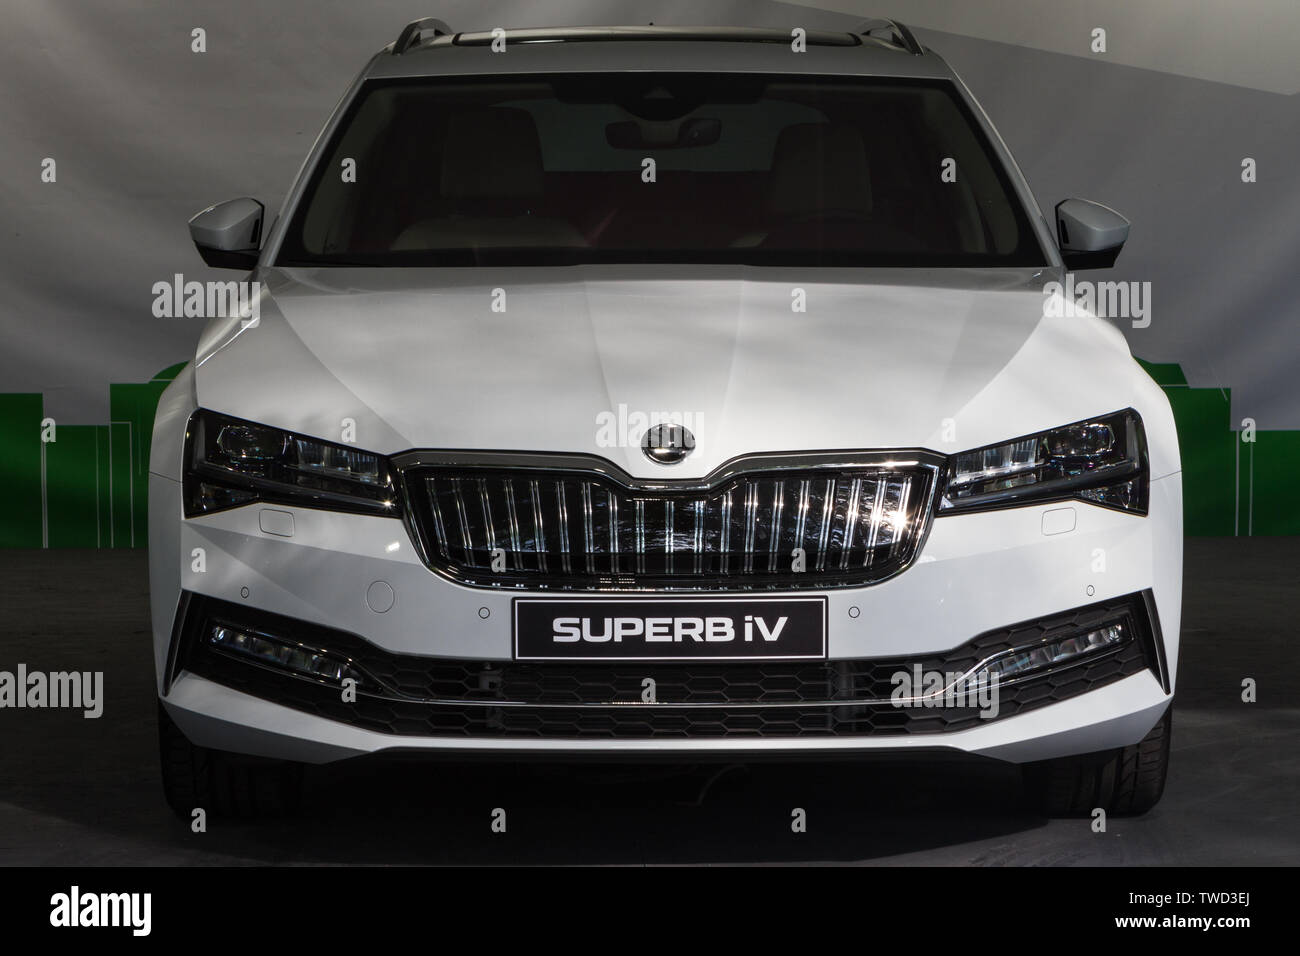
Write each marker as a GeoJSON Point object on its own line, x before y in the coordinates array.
{"type": "Point", "coordinates": [978, 573]}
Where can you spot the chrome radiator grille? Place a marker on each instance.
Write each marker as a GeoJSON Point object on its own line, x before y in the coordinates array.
{"type": "Point", "coordinates": [788, 528]}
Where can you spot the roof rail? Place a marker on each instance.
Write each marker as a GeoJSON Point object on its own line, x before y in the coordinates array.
{"type": "Point", "coordinates": [412, 33]}
{"type": "Point", "coordinates": [648, 33]}
{"type": "Point", "coordinates": [905, 38]}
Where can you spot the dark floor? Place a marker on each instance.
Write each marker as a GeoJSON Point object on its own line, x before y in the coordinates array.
{"type": "Point", "coordinates": [86, 792]}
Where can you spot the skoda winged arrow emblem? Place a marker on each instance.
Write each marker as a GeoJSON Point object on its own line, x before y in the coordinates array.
{"type": "Point", "coordinates": [667, 443]}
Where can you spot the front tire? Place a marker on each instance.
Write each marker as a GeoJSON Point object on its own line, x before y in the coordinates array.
{"type": "Point", "coordinates": [223, 784]}
{"type": "Point", "coordinates": [1124, 782]}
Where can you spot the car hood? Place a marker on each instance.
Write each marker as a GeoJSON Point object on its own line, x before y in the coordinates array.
{"type": "Point", "coordinates": [580, 359]}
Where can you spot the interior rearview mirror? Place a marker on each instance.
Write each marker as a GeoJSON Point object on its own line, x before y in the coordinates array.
{"type": "Point", "coordinates": [633, 134]}
{"type": "Point", "coordinates": [229, 234]}
{"type": "Point", "coordinates": [1091, 235]}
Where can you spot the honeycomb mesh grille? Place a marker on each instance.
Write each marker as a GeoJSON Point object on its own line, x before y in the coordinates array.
{"type": "Point", "coordinates": [581, 701]}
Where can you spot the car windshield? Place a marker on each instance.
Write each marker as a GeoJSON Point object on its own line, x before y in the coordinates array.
{"type": "Point", "coordinates": [648, 168]}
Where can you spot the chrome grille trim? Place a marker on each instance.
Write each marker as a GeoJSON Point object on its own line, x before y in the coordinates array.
{"type": "Point", "coordinates": [875, 522]}
{"type": "Point", "coordinates": [513, 515]}
{"type": "Point", "coordinates": [487, 514]}
{"type": "Point", "coordinates": [851, 523]}
{"type": "Point", "coordinates": [669, 533]}
{"type": "Point", "coordinates": [751, 526]}
{"type": "Point", "coordinates": [698, 542]}
{"type": "Point", "coordinates": [858, 518]}
{"type": "Point", "coordinates": [464, 520]}
{"type": "Point", "coordinates": [640, 536]}
{"type": "Point", "coordinates": [611, 503]}
{"type": "Point", "coordinates": [778, 505]}
{"type": "Point", "coordinates": [535, 492]}
{"type": "Point", "coordinates": [564, 528]}
{"type": "Point", "coordinates": [725, 547]}
{"type": "Point", "coordinates": [902, 506]}
{"type": "Point", "coordinates": [587, 535]}
{"type": "Point", "coordinates": [828, 509]}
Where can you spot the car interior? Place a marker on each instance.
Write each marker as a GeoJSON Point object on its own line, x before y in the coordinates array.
{"type": "Point", "coordinates": [859, 171]}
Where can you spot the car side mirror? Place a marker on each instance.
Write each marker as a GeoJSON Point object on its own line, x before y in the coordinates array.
{"type": "Point", "coordinates": [228, 234]}
{"type": "Point", "coordinates": [1091, 235]}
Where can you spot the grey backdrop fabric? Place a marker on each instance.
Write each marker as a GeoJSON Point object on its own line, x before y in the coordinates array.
{"type": "Point", "coordinates": [145, 132]}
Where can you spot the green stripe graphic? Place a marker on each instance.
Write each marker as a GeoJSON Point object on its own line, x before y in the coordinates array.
{"type": "Point", "coordinates": [86, 489]}
{"type": "Point", "coordinates": [1230, 486]}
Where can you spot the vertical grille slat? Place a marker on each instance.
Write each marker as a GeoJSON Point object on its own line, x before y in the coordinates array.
{"type": "Point", "coordinates": [512, 519]}
{"type": "Point", "coordinates": [669, 531]}
{"type": "Point", "coordinates": [463, 517]}
{"type": "Point", "coordinates": [571, 530]}
{"type": "Point", "coordinates": [828, 509]}
{"type": "Point", "coordinates": [877, 511]}
{"type": "Point", "coordinates": [778, 507]}
{"type": "Point", "coordinates": [902, 508]}
{"type": "Point", "coordinates": [699, 534]}
{"type": "Point", "coordinates": [850, 521]}
{"type": "Point", "coordinates": [439, 526]}
{"type": "Point", "coordinates": [640, 536]}
{"type": "Point", "coordinates": [489, 535]}
{"type": "Point", "coordinates": [562, 521]}
{"type": "Point", "coordinates": [539, 524]}
{"type": "Point", "coordinates": [611, 505]}
{"type": "Point", "coordinates": [751, 525]}
{"type": "Point", "coordinates": [588, 536]}
{"type": "Point", "coordinates": [724, 543]}
{"type": "Point", "coordinates": [801, 519]}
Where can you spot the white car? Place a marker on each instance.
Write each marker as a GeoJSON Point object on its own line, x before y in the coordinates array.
{"type": "Point", "coordinates": [697, 393]}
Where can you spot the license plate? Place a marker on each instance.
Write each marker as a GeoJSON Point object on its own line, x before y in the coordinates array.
{"type": "Point", "coordinates": [665, 629]}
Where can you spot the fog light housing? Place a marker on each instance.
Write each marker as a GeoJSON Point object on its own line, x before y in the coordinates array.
{"type": "Point", "coordinates": [1050, 652]}
{"type": "Point", "coordinates": [283, 654]}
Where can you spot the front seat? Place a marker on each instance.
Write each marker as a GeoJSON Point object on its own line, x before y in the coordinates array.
{"type": "Point", "coordinates": [818, 168]}
{"type": "Point", "coordinates": [819, 171]}
{"type": "Point", "coordinates": [491, 181]}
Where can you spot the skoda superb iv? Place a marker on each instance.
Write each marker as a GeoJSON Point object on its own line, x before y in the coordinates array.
{"type": "Point", "coordinates": [662, 392]}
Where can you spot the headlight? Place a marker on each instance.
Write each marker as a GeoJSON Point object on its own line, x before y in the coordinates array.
{"type": "Point", "coordinates": [232, 462]}
{"type": "Point", "coordinates": [1101, 460]}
